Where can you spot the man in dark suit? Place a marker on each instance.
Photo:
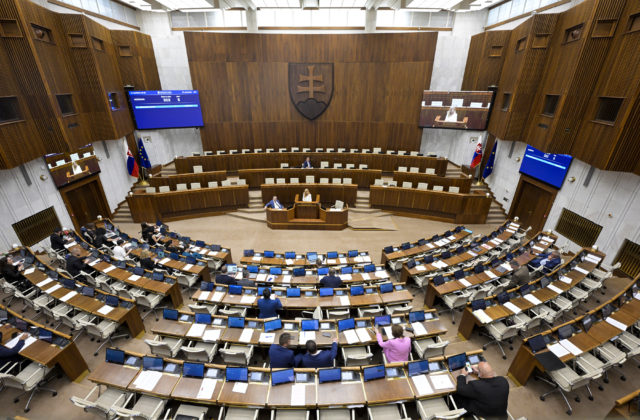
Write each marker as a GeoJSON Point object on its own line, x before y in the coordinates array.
{"type": "Point", "coordinates": [331, 280]}
{"type": "Point", "coordinates": [274, 203]}
{"type": "Point", "coordinates": [225, 279]}
{"type": "Point", "coordinates": [487, 396]}
{"type": "Point", "coordinates": [57, 240]}
{"type": "Point", "coordinates": [75, 263]}
{"type": "Point", "coordinates": [549, 261]}
{"type": "Point", "coordinates": [12, 354]}
{"type": "Point", "coordinates": [280, 355]}
{"type": "Point", "coordinates": [307, 163]}
{"type": "Point", "coordinates": [520, 275]}
{"type": "Point", "coordinates": [315, 358]}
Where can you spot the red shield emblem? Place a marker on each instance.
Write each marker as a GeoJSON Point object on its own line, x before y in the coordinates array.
{"type": "Point", "coordinates": [311, 87]}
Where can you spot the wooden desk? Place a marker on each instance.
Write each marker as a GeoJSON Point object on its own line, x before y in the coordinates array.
{"type": "Point", "coordinates": [363, 178]}
{"type": "Point", "coordinates": [462, 182]}
{"type": "Point", "coordinates": [280, 395]}
{"type": "Point", "coordinates": [255, 396]}
{"type": "Point", "coordinates": [163, 388]}
{"type": "Point", "coordinates": [173, 180]}
{"type": "Point", "coordinates": [437, 205]}
{"type": "Point", "coordinates": [301, 260]}
{"type": "Point", "coordinates": [427, 247]}
{"type": "Point", "coordinates": [328, 193]}
{"type": "Point", "coordinates": [187, 389]}
{"type": "Point", "coordinates": [387, 390]}
{"type": "Point", "coordinates": [178, 205]}
{"type": "Point", "coordinates": [326, 219]}
{"type": "Point", "coordinates": [436, 392]}
{"type": "Point", "coordinates": [342, 394]}
{"type": "Point", "coordinates": [114, 375]}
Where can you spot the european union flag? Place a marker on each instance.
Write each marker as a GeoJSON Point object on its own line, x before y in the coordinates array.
{"type": "Point", "coordinates": [142, 154]}
{"type": "Point", "coordinates": [489, 167]}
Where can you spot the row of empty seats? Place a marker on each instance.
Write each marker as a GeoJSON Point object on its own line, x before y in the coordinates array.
{"type": "Point", "coordinates": [420, 186]}
{"type": "Point", "coordinates": [317, 149]}
{"type": "Point", "coordinates": [195, 186]}
{"type": "Point", "coordinates": [308, 180]}
{"type": "Point", "coordinates": [197, 169]}
{"type": "Point", "coordinates": [416, 170]}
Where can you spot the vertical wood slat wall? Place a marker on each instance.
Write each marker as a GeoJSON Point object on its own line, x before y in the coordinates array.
{"type": "Point", "coordinates": [629, 258]}
{"type": "Point", "coordinates": [578, 229]}
{"type": "Point", "coordinates": [37, 227]}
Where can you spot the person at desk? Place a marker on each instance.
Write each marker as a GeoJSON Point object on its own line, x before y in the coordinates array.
{"type": "Point", "coordinates": [307, 163]}
{"type": "Point", "coordinates": [11, 273]}
{"type": "Point", "coordinates": [280, 355]}
{"type": "Point", "coordinates": [452, 115]}
{"type": "Point", "coordinates": [119, 251]}
{"type": "Point", "coordinates": [548, 261]}
{"type": "Point", "coordinates": [146, 261]}
{"type": "Point", "coordinates": [315, 358]}
{"type": "Point", "coordinates": [274, 204]}
{"type": "Point", "coordinates": [225, 278]}
{"type": "Point", "coordinates": [306, 195]}
{"type": "Point", "coordinates": [396, 349]}
{"type": "Point", "coordinates": [520, 274]}
{"type": "Point", "coordinates": [268, 307]}
{"type": "Point", "coordinates": [486, 397]}
{"type": "Point", "coordinates": [75, 263]}
{"type": "Point", "coordinates": [57, 240]}
{"type": "Point", "coordinates": [149, 233]}
{"type": "Point", "coordinates": [331, 280]}
{"type": "Point", "coordinates": [12, 354]}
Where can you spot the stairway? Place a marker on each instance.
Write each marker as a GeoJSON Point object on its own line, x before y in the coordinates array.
{"type": "Point", "coordinates": [496, 214]}
{"type": "Point", "coordinates": [122, 214]}
{"type": "Point", "coordinates": [169, 169]}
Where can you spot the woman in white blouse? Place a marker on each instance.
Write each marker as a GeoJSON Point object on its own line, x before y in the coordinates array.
{"type": "Point", "coordinates": [306, 195]}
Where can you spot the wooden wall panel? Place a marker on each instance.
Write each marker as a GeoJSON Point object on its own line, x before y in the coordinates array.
{"type": "Point", "coordinates": [485, 59]}
{"type": "Point", "coordinates": [136, 60]}
{"type": "Point", "coordinates": [378, 84]}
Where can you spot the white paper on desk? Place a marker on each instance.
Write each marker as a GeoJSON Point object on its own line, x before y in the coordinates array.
{"type": "Point", "coordinates": [94, 262]}
{"type": "Point", "coordinates": [288, 261]}
{"type": "Point", "coordinates": [196, 330]}
{"type": "Point", "coordinates": [164, 260]}
{"type": "Point", "coordinates": [582, 270]}
{"type": "Point", "coordinates": [256, 258]}
{"type": "Point", "coordinates": [247, 299]}
{"type": "Point", "coordinates": [441, 381]}
{"type": "Point", "coordinates": [147, 380]}
{"type": "Point", "coordinates": [345, 276]}
{"type": "Point", "coordinates": [537, 248]}
{"type": "Point", "coordinates": [473, 254]}
{"type": "Point", "coordinates": [382, 274]}
{"type": "Point", "coordinates": [514, 225]}
{"type": "Point", "coordinates": [482, 316]}
{"type": "Point", "coordinates": [240, 387]}
{"type": "Point", "coordinates": [204, 295]}
{"type": "Point", "coordinates": [29, 270]}
{"type": "Point", "coordinates": [571, 347]}
{"type": "Point", "coordinates": [68, 296]}
{"type": "Point", "coordinates": [45, 282]}
{"type": "Point", "coordinates": [187, 267]}
{"type": "Point", "coordinates": [485, 246]}
{"type": "Point", "coordinates": [246, 335]}
{"type": "Point", "coordinates": [363, 335]}
{"type": "Point", "coordinates": [298, 392]}
{"type": "Point", "coordinates": [565, 279]}
{"type": "Point", "coordinates": [636, 295]}
{"type": "Point", "coordinates": [344, 301]}
{"type": "Point", "coordinates": [105, 310]}
{"type": "Point", "coordinates": [490, 274]}
{"type": "Point", "coordinates": [238, 275]}
{"type": "Point", "coordinates": [267, 338]}
{"type": "Point", "coordinates": [513, 308]}
{"type": "Point", "coordinates": [422, 384]}
{"type": "Point", "coordinates": [365, 276]}
{"type": "Point", "coordinates": [261, 277]}
{"type": "Point", "coordinates": [532, 299]}
{"type": "Point", "coordinates": [441, 264]}
{"type": "Point", "coordinates": [214, 253]}
{"type": "Point", "coordinates": [69, 245]}
{"type": "Point", "coordinates": [343, 260]}
{"type": "Point", "coordinates": [451, 238]}
{"type": "Point", "coordinates": [439, 243]}
{"type": "Point", "coordinates": [358, 259]}
{"type": "Point", "coordinates": [111, 267]}
{"type": "Point", "coordinates": [594, 258]}
{"type": "Point", "coordinates": [366, 258]}
{"type": "Point", "coordinates": [27, 342]}
{"type": "Point", "coordinates": [217, 296]}
{"type": "Point", "coordinates": [430, 245]}
{"type": "Point", "coordinates": [133, 277]}
{"type": "Point", "coordinates": [420, 268]}
{"type": "Point", "coordinates": [555, 289]}
{"type": "Point", "coordinates": [506, 266]}
{"type": "Point", "coordinates": [211, 335]}
{"type": "Point", "coordinates": [351, 336]}
{"type": "Point", "coordinates": [511, 230]}
{"type": "Point", "coordinates": [465, 283]}
{"type": "Point", "coordinates": [286, 278]}
{"type": "Point", "coordinates": [418, 329]}
{"type": "Point", "coordinates": [207, 387]}
{"type": "Point", "coordinates": [619, 325]}
{"type": "Point", "coordinates": [547, 238]}
{"type": "Point", "coordinates": [54, 288]}
{"type": "Point", "coordinates": [195, 248]}
{"type": "Point", "coordinates": [558, 349]}
{"type": "Point", "coordinates": [494, 241]}
{"type": "Point", "coordinates": [387, 330]}
{"type": "Point", "coordinates": [306, 336]}
{"type": "Point", "coordinates": [331, 261]}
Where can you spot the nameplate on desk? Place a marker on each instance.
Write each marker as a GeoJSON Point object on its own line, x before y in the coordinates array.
{"type": "Point", "coordinates": [619, 325]}
{"type": "Point", "coordinates": [134, 277]}
{"type": "Point", "coordinates": [267, 338]}
{"type": "Point", "coordinates": [54, 288]}
{"type": "Point", "coordinates": [68, 296]}
{"type": "Point", "coordinates": [111, 267]}
{"type": "Point", "coordinates": [465, 283]}
{"type": "Point", "coordinates": [164, 260]}
{"type": "Point", "coordinates": [45, 282]}
{"type": "Point", "coordinates": [418, 329]}
{"type": "Point", "coordinates": [187, 267]}
{"type": "Point", "coordinates": [423, 387]}
{"type": "Point", "coordinates": [105, 310]}
{"type": "Point", "coordinates": [582, 270]}
{"type": "Point", "coordinates": [441, 381]}
{"type": "Point", "coordinates": [211, 336]}
{"type": "Point", "coordinates": [246, 335]}
{"type": "Point", "coordinates": [593, 258]}
{"type": "Point", "coordinates": [207, 387]}
{"type": "Point", "coordinates": [344, 301]}
{"type": "Point", "coordinates": [147, 380]}
{"type": "Point", "coordinates": [247, 299]}
{"type": "Point", "coordinates": [196, 330]}
{"type": "Point", "coordinates": [298, 394]}
{"type": "Point", "coordinates": [494, 241]}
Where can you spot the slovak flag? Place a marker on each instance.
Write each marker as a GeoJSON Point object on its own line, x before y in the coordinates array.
{"type": "Point", "coordinates": [477, 155]}
{"type": "Point", "coordinates": [132, 165]}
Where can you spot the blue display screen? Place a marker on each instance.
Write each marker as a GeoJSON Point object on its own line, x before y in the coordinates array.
{"type": "Point", "coordinates": [546, 167]}
{"type": "Point", "coordinates": [166, 109]}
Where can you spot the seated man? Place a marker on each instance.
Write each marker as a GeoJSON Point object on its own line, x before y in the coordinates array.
{"type": "Point", "coordinates": [225, 278]}
{"type": "Point", "coordinates": [315, 358]}
{"type": "Point", "coordinates": [274, 203]}
{"type": "Point", "coordinates": [331, 280]}
{"type": "Point", "coordinates": [120, 253]}
{"type": "Point", "coordinates": [520, 275]}
{"type": "Point", "coordinates": [486, 397]}
{"type": "Point", "coordinates": [75, 263]}
{"type": "Point", "coordinates": [12, 354]}
{"type": "Point", "coordinates": [280, 355]}
{"type": "Point", "coordinates": [549, 261]}
{"type": "Point", "coordinates": [57, 240]}
{"type": "Point", "coordinates": [307, 163]}
{"type": "Point", "coordinates": [268, 307]}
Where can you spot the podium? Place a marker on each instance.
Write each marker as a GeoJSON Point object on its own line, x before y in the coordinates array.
{"type": "Point", "coordinates": [307, 215]}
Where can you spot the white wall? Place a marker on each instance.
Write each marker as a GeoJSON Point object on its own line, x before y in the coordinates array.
{"type": "Point", "coordinates": [115, 179]}
{"type": "Point", "coordinates": [165, 145]}
{"type": "Point", "coordinates": [456, 145]}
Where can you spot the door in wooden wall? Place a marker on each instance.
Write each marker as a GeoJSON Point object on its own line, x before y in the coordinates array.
{"type": "Point", "coordinates": [85, 200]}
{"type": "Point", "coordinates": [532, 203]}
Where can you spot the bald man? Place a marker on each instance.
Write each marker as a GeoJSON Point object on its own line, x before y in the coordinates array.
{"type": "Point", "coordinates": [486, 397]}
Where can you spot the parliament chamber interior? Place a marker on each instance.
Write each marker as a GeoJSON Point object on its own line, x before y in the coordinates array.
{"type": "Point", "coordinates": [320, 209]}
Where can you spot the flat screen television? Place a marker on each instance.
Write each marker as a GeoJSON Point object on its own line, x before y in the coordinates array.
{"type": "Point", "coordinates": [547, 167]}
{"type": "Point", "coordinates": [154, 109]}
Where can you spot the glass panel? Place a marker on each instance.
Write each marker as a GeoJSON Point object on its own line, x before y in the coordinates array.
{"type": "Point", "coordinates": [179, 20]}
{"type": "Point", "coordinates": [517, 7]}
{"type": "Point", "coordinates": [196, 20]}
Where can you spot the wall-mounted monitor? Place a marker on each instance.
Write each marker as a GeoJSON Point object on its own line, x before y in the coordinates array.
{"type": "Point", "coordinates": [154, 109]}
{"type": "Point", "coordinates": [458, 110]}
{"type": "Point", "coordinates": [546, 167]}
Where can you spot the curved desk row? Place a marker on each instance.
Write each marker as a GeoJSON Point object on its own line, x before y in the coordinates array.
{"type": "Point", "coordinates": [363, 178]}
{"type": "Point", "coordinates": [437, 205]}
{"type": "Point", "coordinates": [295, 259]}
{"type": "Point", "coordinates": [433, 245]}
{"type": "Point", "coordinates": [464, 183]}
{"type": "Point", "coordinates": [329, 193]}
{"type": "Point", "coordinates": [235, 162]}
{"type": "Point", "coordinates": [178, 205]}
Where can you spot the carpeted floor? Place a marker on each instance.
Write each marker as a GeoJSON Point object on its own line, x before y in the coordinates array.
{"type": "Point", "coordinates": [239, 234]}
